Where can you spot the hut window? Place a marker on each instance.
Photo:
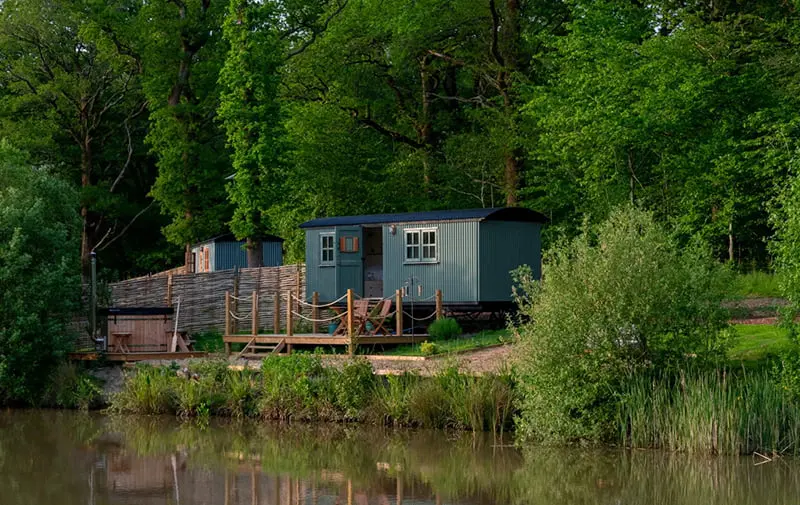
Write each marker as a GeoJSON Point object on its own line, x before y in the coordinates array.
{"type": "Point", "coordinates": [326, 249]}
{"type": "Point", "coordinates": [208, 259]}
{"type": "Point", "coordinates": [421, 245]}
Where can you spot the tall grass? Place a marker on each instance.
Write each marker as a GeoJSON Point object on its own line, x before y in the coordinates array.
{"type": "Point", "coordinates": [300, 388]}
{"type": "Point", "coordinates": [711, 412]}
{"type": "Point", "coordinates": [757, 284]}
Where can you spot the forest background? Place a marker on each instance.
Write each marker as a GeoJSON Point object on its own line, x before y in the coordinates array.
{"type": "Point", "coordinates": [178, 120]}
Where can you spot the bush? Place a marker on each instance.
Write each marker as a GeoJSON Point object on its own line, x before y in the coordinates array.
{"type": "Point", "coordinates": [354, 386]}
{"type": "Point", "coordinates": [72, 387]}
{"type": "Point", "coordinates": [625, 299]}
{"type": "Point", "coordinates": [429, 348]}
{"type": "Point", "coordinates": [295, 386]}
{"type": "Point", "coordinates": [39, 275]}
{"type": "Point", "coordinates": [444, 329]}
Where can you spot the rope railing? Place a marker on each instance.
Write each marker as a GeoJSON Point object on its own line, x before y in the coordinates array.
{"type": "Point", "coordinates": [320, 306]}
{"type": "Point", "coordinates": [432, 315]}
{"type": "Point", "coordinates": [242, 318]}
{"type": "Point", "coordinates": [242, 298]}
{"type": "Point", "coordinates": [326, 320]}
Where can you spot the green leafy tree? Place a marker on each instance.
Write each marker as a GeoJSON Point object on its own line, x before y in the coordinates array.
{"type": "Point", "coordinates": [182, 53]}
{"type": "Point", "coordinates": [73, 100]}
{"type": "Point", "coordinates": [250, 113]}
{"type": "Point", "coordinates": [39, 275]}
{"type": "Point", "coordinates": [613, 303]}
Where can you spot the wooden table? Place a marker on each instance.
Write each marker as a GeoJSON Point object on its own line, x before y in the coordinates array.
{"type": "Point", "coordinates": [121, 341]}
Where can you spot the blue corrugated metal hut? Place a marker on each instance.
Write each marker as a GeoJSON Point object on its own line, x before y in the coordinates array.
{"type": "Point", "coordinates": [225, 252]}
{"type": "Point", "coordinates": [468, 254]}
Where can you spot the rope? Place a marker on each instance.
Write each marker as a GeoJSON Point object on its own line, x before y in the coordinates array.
{"type": "Point", "coordinates": [320, 320]}
{"type": "Point", "coordinates": [323, 306]}
{"type": "Point", "coordinates": [433, 314]}
{"type": "Point", "coordinates": [241, 318]}
{"type": "Point", "coordinates": [412, 299]}
{"type": "Point", "coordinates": [242, 298]}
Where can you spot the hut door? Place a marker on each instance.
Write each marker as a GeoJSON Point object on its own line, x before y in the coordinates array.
{"type": "Point", "coordinates": [349, 263]}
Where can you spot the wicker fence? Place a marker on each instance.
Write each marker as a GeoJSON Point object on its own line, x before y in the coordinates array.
{"type": "Point", "coordinates": [202, 295]}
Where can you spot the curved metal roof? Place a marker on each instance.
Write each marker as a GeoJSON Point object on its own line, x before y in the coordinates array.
{"type": "Point", "coordinates": [490, 214]}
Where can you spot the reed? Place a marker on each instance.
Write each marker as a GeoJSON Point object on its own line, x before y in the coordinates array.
{"type": "Point", "coordinates": [299, 387]}
{"type": "Point", "coordinates": [708, 412]}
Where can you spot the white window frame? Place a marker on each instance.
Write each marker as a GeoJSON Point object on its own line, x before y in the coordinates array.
{"type": "Point", "coordinates": [322, 261]}
{"type": "Point", "coordinates": [420, 246]}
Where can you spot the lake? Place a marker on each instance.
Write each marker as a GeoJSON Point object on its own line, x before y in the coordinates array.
{"type": "Point", "coordinates": [53, 457]}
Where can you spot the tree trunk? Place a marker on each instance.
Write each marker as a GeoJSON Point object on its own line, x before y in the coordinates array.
{"type": "Point", "coordinates": [188, 259]}
{"type": "Point", "coordinates": [255, 253]}
{"type": "Point", "coordinates": [88, 232]}
{"type": "Point", "coordinates": [730, 241]}
{"type": "Point", "coordinates": [512, 178]}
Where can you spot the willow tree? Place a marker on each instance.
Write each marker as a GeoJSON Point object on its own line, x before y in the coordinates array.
{"type": "Point", "coordinates": [250, 114]}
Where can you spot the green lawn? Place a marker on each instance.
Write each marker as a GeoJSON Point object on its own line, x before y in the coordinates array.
{"type": "Point", "coordinates": [466, 343]}
{"type": "Point", "coordinates": [757, 342]}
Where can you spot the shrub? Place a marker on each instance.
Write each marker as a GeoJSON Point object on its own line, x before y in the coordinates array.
{"type": "Point", "coordinates": [354, 386]}
{"type": "Point", "coordinates": [72, 387]}
{"type": "Point", "coordinates": [294, 386]}
{"type": "Point", "coordinates": [444, 329]}
{"type": "Point", "coordinates": [614, 302]}
{"type": "Point", "coordinates": [39, 275]}
{"type": "Point", "coordinates": [429, 348]}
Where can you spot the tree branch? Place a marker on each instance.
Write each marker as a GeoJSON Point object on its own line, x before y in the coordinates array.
{"type": "Point", "coordinates": [315, 32]}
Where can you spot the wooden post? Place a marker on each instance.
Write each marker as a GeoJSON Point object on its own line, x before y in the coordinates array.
{"type": "Point", "coordinates": [351, 347]}
{"type": "Point", "coordinates": [235, 301]}
{"type": "Point", "coordinates": [399, 311]}
{"type": "Point", "coordinates": [289, 318]}
{"type": "Point", "coordinates": [276, 315]}
{"type": "Point", "coordinates": [169, 290]}
{"type": "Point", "coordinates": [297, 286]}
{"type": "Point", "coordinates": [227, 320]}
{"type": "Point", "coordinates": [254, 327]}
{"type": "Point", "coordinates": [439, 308]}
{"type": "Point", "coordinates": [314, 313]}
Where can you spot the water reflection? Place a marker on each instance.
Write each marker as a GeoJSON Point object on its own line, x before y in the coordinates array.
{"type": "Point", "coordinates": [65, 458]}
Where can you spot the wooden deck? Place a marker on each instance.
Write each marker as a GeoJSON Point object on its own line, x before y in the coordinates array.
{"type": "Point", "coordinates": [134, 356]}
{"type": "Point", "coordinates": [324, 339]}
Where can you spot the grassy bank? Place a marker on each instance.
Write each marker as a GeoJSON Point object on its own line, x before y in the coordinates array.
{"type": "Point", "coordinates": [300, 387]}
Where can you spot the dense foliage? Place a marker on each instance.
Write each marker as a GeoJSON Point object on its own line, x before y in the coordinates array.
{"type": "Point", "coordinates": [39, 275]}
{"type": "Point", "coordinates": [614, 304]}
{"type": "Point", "coordinates": [254, 116]}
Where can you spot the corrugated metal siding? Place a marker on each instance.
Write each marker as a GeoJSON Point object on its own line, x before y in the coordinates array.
{"type": "Point", "coordinates": [273, 254]}
{"type": "Point", "coordinates": [456, 273]}
{"type": "Point", "coordinates": [318, 278]}
{"type": "Point", "coordinates": [505, 246]}
{"type": "Point", "coordinates": [229, 255]}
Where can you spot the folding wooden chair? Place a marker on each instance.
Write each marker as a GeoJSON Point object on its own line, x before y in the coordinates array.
{"type": "Point", "coordinates": [378, 317]}
{"type": "Point", "coordinates": [360, 312]}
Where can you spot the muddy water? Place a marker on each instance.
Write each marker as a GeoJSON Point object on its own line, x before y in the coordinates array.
{"type": "Point", "coordinates": [71, 458]}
